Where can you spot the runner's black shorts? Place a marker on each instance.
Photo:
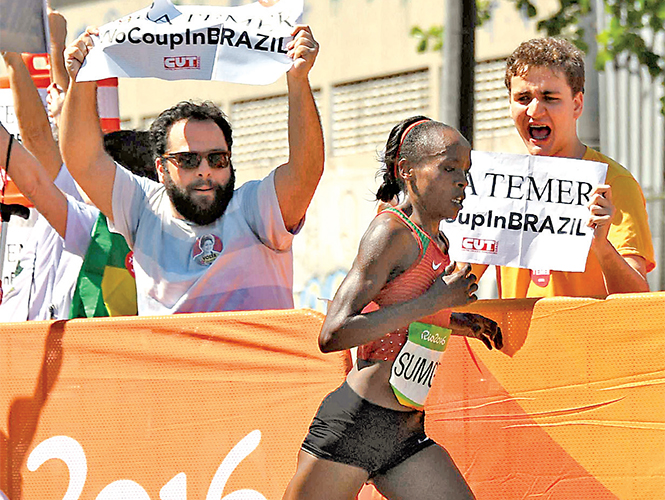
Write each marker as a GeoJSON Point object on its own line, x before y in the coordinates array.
{"type": "Point", "coordinates": [350, 430]}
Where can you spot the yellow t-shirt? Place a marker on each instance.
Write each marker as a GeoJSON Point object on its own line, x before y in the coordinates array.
{"type": "Point", "coordinates": [629, 233]}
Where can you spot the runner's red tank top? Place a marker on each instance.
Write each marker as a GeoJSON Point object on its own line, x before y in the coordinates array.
{"type": "Point", "coordinates": [413, 282]}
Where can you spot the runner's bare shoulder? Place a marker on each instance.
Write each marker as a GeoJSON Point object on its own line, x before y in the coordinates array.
{"type": "Point", "coordinates": [389, 240]}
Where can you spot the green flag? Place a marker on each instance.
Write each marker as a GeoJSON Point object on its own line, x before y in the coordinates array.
{"type": "Point", "coordinates": [106, 285]}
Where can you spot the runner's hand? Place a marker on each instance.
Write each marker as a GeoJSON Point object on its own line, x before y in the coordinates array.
{"type": "Point", "coordinates": [303, 50]}
{"type": "Point", "coordinates": [77, 51]}
{"type": "Point", "coordinates": [454, 289]}
{"type": "Point", "coordinates": [477, 327]}
{"type": "Point", "coordinates": [450, 269]}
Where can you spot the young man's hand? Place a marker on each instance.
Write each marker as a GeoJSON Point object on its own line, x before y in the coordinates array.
{"type": "Point", "coordinates": [602, 212]}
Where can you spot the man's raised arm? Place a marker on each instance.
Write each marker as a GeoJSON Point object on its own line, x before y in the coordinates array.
{"type": "Point", "coordinates": [81, 137]}
{"type": "Point", "coordinates": [296, 181]}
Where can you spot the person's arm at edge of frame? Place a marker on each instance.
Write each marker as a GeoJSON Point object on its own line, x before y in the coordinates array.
{"type": "Point", "coordinates": [58, 26]}
{"type": "Point", "coordinates": [622, 274]}
{"type": "Point", "coordinates": [31, 116]}
{"type": "Point", "coordinates": [81, 137]}
{"type": "Point", "coordinates": [34, 182]}
{"type": "Point", "coordinates": [296, 181]}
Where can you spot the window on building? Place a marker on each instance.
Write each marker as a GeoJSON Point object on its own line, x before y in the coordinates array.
{"type": "Point", "coordinates": [492, 109]}
{"type": "Point", "coordinates": [260, 134]}
{"type": "Point", "coordinates": [362, 111]}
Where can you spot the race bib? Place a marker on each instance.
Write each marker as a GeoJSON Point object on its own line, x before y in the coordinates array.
{"type": "Point", "coordinates": [413, 369]}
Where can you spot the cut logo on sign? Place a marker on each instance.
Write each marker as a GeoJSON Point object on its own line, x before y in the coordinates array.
{"type": "Point", "coordinates": [182, 62]}
{"type": "Point", "coordinates": [480, 245]}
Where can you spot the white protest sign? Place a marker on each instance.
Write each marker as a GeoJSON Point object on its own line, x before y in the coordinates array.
{"type": "Point", "coordinates": [525, 211]}
{"type": "Point", "coordinates": [244, 44]}
{"type": "Point", "coordinates": [7, 113]}
{"type": "Point", "coordinates": [24, 26]}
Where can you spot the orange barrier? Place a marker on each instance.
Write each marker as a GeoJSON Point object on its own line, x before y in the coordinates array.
{"type": "Point", "coordinates": [180, 407]}
{"type": "Point", "coordinates": [575, 410]}
{"type": "Point", "coordinates": [202, 406]}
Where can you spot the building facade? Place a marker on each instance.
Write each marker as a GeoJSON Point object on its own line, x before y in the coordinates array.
{"type": "Point", "coordinates": [368, 76]}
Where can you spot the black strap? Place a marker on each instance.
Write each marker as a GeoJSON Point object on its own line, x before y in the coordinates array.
{"type": "Point", "coordinates": [9, 152]}
{"type": "Point", "coordinates": [32, 285]}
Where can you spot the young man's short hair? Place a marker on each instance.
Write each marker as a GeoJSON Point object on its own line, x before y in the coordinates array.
{"type": "Point", "coordinates": [554, 53]}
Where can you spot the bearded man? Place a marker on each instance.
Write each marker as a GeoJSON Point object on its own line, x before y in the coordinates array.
{"type": "Point", "coordinates": [195, 204]}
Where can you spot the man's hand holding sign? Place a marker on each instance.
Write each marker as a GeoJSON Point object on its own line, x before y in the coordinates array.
{"type": "Point", "coordinates": [602, 212]}
{"type": "Point", "coordinates": [620, 272]}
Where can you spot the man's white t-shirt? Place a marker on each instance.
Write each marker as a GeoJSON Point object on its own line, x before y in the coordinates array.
{"type": "Point", "coordinates": [44, 288]}
{"type": "Point", "coordinates": [242, 261]}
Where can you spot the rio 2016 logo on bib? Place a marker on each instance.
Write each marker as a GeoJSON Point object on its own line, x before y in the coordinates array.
{"type": "Point", "coordinates": [413, 369]}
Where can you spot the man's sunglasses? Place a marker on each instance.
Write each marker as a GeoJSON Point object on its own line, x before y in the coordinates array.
{"type": "Point", "coordinates": [190, 160]}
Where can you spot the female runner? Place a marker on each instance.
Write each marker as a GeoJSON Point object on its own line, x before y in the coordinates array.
{"type": "Point", "coordinates": [402, 273]}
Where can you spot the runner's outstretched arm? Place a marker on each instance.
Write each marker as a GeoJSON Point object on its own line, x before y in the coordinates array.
{"type": "Point", "coordinates": [296, 181]}
{"type": "Point", "coordinates": [386, 246]}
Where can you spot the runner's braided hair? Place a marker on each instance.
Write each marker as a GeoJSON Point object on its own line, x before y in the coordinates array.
{"type": "Point", "coordinates": [403, 142]}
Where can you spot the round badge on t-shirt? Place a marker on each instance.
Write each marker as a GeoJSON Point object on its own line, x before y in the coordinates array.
{"type": "Point", "coordinates": [129, 263]}
{"type": "Point", "coordinates": [540, 277]}
{"type": "Point", "coordinates": [206, 249]}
